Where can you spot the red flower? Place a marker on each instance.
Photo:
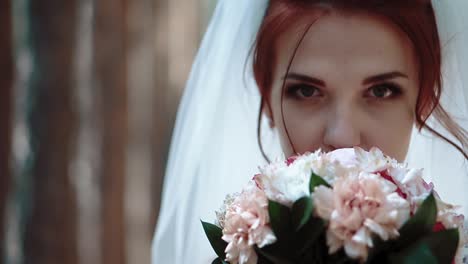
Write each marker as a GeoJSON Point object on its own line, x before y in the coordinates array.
{"type": "Point", "coordinates": [438, 227]}
{"type": "Point", "coordinates": [291, 160]}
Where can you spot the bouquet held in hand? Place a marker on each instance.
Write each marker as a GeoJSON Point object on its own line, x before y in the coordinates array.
{"type": "Point", "coordinates": [345, 206]}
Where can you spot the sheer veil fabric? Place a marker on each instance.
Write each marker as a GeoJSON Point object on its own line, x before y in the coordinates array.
{"type": "Point", "coordinates": [214, 148]}
{"type": "Point", "coordinates": [443, 165]}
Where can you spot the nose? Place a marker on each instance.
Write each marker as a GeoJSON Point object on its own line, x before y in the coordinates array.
{"type": "Point", "coordinates": [342, 129]}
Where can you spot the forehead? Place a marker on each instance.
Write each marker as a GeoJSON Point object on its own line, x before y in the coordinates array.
{"type": "Point", "coordinates": [352, 43]}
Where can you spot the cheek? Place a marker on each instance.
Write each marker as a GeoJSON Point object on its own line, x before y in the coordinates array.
{"type": "Point", "coordinates": [302, 126]}
{"type": "Point", "coordinates": [305, 132]}
{"type": "Point", "coordinates": [390, 130]}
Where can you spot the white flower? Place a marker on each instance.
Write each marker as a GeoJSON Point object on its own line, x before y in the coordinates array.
{"type": "Point", "coordinates": [331, 166]}
{"type": "Point", "coordinates": [285, 184]}
{"type": "Point", "coordinates": [373, 160]}
{"type": "Point", "coordinates": [221, 213]}
{"type": "Point", "coordinates": [412, 184]}
{"type": "Point", "coordinates": [345, 156]}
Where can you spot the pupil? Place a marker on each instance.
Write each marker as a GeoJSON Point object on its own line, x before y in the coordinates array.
{"type": "Point", "coordinates": [380, 91]}
{"type": "Point", "coordinates": [307, 91]}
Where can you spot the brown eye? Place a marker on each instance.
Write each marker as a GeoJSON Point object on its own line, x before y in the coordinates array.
{"type": "Point", "coordinates": [303, 91]}
{"type": "Point", "coordinates": [383, 91]}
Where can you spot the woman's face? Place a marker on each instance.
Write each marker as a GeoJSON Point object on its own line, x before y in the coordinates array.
{"type": "Point", "coordinates": [353, 82]}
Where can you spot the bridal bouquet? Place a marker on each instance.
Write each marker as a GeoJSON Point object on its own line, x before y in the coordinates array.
{"type": "Point", "coordinates": [345, 206]}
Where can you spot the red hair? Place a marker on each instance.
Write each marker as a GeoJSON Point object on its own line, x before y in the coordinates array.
{"type": "Point", "coordinates": [415, 18]}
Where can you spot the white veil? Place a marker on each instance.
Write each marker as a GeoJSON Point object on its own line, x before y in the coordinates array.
{"type": "Point", "coordinates": [442, 163]}
{"type": "Point", "coordinates": [214, 147]}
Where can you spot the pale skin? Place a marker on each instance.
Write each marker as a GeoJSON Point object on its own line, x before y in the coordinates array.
{"type": "Point", "coordinates": [353, 82]}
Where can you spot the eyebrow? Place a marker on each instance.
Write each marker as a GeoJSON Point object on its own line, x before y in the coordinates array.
{"type": "Point", "coordinates": [372, 79]}
{"type": "Point", "coordinates": [384, 76]}
{"type": "Point", "coordinates": [304, 78]}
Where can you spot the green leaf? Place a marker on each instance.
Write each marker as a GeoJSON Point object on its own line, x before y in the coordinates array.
{"type": "Point", "coordinates": [280, 218]}
{"type": "Point", "coordinates": [340, 257]}
{"type": "Point", "coordinates": [272, 256]}
{"type": "Point", "coordinates": [443, 244]}
{"type": "Point", "coordinates": [418, 254]}
{"type": "Point", "coordinates": [310, 234]}
{"type": "Point", "coordinates": [316, 181]}
{"type": "Point", "coordinates": [411, 233]}
{"type": "Point", "coordinates": [301, 212]}
{"type": "Point", "coordinates": [214, 234]}
{"type": "Point", "coordinates": [423, 220]}
{"type": "Point", "coordinates": [381, 250]}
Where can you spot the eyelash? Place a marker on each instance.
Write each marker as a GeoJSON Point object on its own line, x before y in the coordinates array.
{"type": "Point", "coordinates": [395, 90]}
{"type": "Point", "coordinates": [293, 90]}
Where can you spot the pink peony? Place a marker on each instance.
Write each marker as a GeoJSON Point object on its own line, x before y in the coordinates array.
{"type": "Point", "coordinates": [357, 207]}
{"type": "Point", "coordinates": [246, 224]}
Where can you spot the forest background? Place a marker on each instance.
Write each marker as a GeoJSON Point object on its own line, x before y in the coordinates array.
{"type": "Point", "coordinates": [88, 99]}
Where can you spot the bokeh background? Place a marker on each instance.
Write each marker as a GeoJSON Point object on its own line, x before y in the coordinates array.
{"type": "Point", "coordinates": [89, 95]}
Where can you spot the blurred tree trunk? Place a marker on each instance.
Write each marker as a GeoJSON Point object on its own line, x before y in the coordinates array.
{"type": "Point", "coordinates": [51, 228]}
{"type": "Point", "coordinates": [111, 80]}
{"type": "Point", "coordinates": [6, 82]}
{"type": "Point", "coordinates": [162, 136]}
{"type": "Point", "coordinates": [178, 35]}
{"type": "Point", "coordinates": [140, 165]}
{"type": "Point", "coordinates": [86, 169]}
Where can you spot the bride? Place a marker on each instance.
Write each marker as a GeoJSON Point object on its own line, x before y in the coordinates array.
{"type": "Point", "coordinates": [282, 77]}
